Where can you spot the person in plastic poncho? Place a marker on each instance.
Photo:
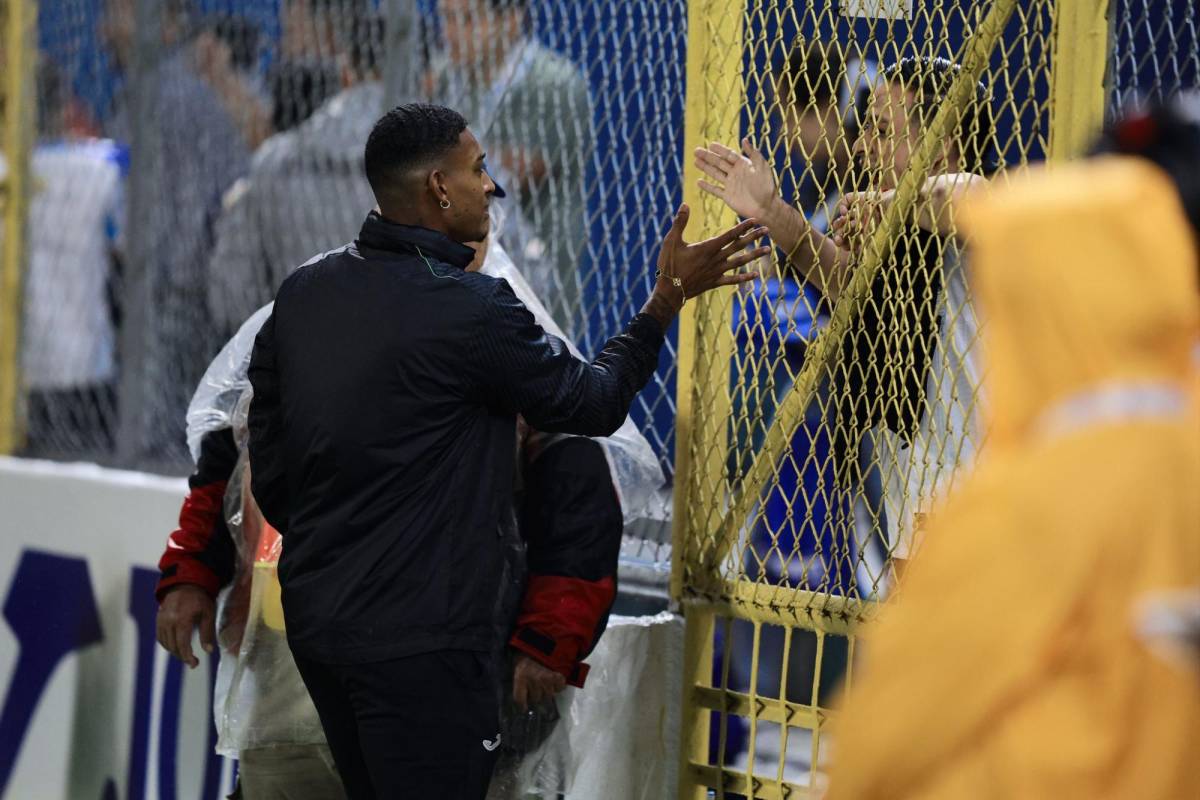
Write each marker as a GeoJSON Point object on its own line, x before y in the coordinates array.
{"type": "Point", "coordinates": [264, 715]}
{"type": "Point", "coordinates": [1016, 662]}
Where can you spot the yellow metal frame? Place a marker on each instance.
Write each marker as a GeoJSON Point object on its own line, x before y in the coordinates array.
{"type": "Point", "coordinates": [1078, 64]}
{"type": "Point", "coordinates": [18, 128]}
{"type": "Point", "coordinates": [714, 92]}
{"type": "Point", "coordinates": [712, 113]}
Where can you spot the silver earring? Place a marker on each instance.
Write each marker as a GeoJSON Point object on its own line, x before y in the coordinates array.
{"type": "Point", "coordinates": [444, 204]}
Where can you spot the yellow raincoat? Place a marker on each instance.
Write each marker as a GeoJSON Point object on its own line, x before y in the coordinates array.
{"type": "Point", "coordinates": [1013, 663]}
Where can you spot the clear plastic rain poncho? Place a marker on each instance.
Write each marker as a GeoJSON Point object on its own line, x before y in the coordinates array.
{"type": "Point", "coordinates": [260, 699]}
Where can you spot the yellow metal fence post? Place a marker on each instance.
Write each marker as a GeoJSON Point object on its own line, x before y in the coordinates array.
{"type": "Point", "coordinates": [18, 125]}
{"type": "Point", "coordinates": [715, 93]}
{"type": "Point", "coordinates": [1080, 53]}
{"type": "Point", "coordinates": [712, 111]}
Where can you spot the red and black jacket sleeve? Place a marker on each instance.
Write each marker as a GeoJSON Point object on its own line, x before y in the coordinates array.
{"type": "Point", "coordinates": [572, 522]}
{"type": "Point", "coordinates": [200, 551]}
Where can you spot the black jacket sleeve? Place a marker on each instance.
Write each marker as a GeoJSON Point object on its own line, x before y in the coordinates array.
{"type": "Point", "coordinates": [268, 477]}
{"type": "Point", "coordinates": [534, 374]}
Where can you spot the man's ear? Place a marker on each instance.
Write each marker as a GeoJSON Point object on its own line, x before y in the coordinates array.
{"type": "Point", "coordinates": [435, 182]}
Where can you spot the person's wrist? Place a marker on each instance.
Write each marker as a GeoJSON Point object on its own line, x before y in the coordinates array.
{"type": "Point", "coordinates": [769, 215]}
{"type": "Point", "coordinates": [183, 587]}
{"type": "Point", "coordinates": [665, 302]}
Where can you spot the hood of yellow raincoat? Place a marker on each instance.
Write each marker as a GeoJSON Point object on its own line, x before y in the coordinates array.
{"type": "Point", "coordinates": [1087, 277]}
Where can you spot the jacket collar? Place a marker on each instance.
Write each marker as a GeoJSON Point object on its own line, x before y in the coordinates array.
{"type": "Point", "coordinates": [380, 234]}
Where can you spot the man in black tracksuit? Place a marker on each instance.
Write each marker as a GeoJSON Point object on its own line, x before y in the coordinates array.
{"type": "Point", "coordinates": [386, 387]}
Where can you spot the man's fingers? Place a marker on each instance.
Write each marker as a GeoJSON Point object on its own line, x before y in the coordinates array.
{"type": "Point", "coordinates": [161, 630]}
{"type": "Point", "coordinates": [208, 631]}
{"type": "Point", "coordinates": [166, 635]}
{"type": "Point", "coordinates": [753, 153]}
{"type": "Point", "coordinates": [849, 198]}
{"type": "Point", "coordinates": [745, 257]}
{"type": "Point", "coordinates": [733, 234]}
{"type": "Point", "coordinates": [675, 234]}
{"type": "Point", "coordinates": [739, 278]}
{"type": "Point", "coordinates": [711, 165]}
{"type": "Point", "coordinates": [728, 155]}
{"type": "Point", "coordinates": [183, 643]}
{"type": "Point", "coordinates": [520, 692]}
{"type": "Point", "coordinates": [715, 191]}
{"type": "Point", "coordinates": [746, 239]}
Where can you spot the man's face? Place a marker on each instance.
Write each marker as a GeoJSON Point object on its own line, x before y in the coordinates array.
{"type": "Point", "coordinates": [306, 34]}
{"type": "Point", "coordinates": [469, 189]}
{"type": "Point", "coordinates": [890, 131]}
{"type": "Point", "coordinates": [469, 26]}
{"type": "Point", "coordinates": [810, 132]}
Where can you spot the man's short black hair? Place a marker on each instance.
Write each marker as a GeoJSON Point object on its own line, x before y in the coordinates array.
{"type": "Point", "coordinates": [509, 5]}
{"type": "Point", "coordinates": [407, 137]}
{"type": "Point", "coordinates": [930, 79]}
{"type": "Point", "coordinates": [815, 70]}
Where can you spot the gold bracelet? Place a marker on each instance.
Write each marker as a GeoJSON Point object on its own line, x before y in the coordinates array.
{"type": "Point", "coordinates": [676, 282]}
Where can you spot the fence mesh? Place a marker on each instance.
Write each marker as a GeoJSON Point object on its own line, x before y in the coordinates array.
{"type": "Point", "coordinates": [1154, 49]}
{"type": "Point", "coordinates": [203, 149]}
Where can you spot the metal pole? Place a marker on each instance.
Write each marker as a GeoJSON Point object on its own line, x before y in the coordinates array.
{"type": "Point", "coordinates": [1081, 46]}
{"type": "Point", "coordinates": [712, 112]}
{"type": "Point", "coordinates": [19, 113]}
{"type": "Point", "coordinates": [403, 62]}
{"type": "Point", "coordinates": [137, 297]}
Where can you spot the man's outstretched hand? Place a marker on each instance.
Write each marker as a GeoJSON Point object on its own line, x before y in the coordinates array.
{"type": "Point", "coordinates": [184, 609]}
{"type": "Point", "coordinates": [744, 181]}
{"type": "Point", "coordinates": [689, 270]}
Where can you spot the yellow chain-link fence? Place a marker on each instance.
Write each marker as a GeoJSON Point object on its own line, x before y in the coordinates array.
{"type": "Point", "coordinates": [825, 410]}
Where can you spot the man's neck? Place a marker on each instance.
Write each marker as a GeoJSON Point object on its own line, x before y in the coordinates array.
{"type": "Point", "coordinates": [415, 219]}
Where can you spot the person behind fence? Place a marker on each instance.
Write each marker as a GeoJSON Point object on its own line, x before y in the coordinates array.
{"type": "Point", "coordinates": [268, 222]}
{"type": "Point", "coordinates": [218, 576]}
{"type": "Point", "coordinates": [1066, 664]}
{"type": "Point", "coordinates": [182, 161]}
{"type": "Point", "coordinates": [821, 94]}
{"type": "Point", "coordinates": [531, 110]}
{"type": "Point", "coordinates": [69, 360]}
{"type": "Point", "coordinates": [390, 489]}
{"type": "Point", "coordinates": [312, 57]}
{"type": "Point", "coordinates": [907, 367]}
{"type": "Point", "coordinates": [271, 219]}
